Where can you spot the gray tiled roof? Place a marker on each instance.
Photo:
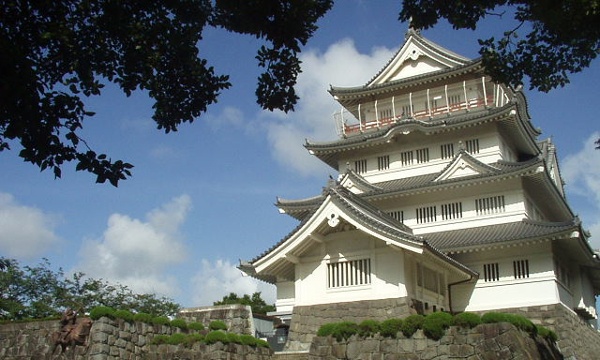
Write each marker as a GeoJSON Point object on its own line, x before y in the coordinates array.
{"type": "Point", "coordinates": [524, 230]}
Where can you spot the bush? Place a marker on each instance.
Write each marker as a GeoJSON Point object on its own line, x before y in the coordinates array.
{"type": "Point", "coordinates": [160, 339]}
{"type": "Point", "coordinates": [546, 333]}
{"type": "Point", "coordinates": [262, 343]}
{"type": "Point", "coordinates": [160, 320]}
{"type": "Point", "coordinates": [368, 328]}
{"type": "Point", "coordinates": [411, 324]}
{"type": "Point", "coordinates": [195, 326]}
{"type": "Point", "coordinates": [390, 327]}
{"type": "Point", "coordinates": [435, 324]}
{"type": "Point", "coordinates": [176, 339]}
{"type": "Point", "coordinates": [467, 320]}
{"type": "Point", "coordinates": [216, 336]}
{"type": "Point", "coordinates": [100, 311]}
{"type": "Point", "coordinates": [343, 330]}
{"type": "Point", "coordinates": [519, 321]}
{"type": "Point", "coordinates": [326, 329]}
{"type": "Point", "coordinates": [233, 338]}
{"type": "Point", "coordinates": [179, 323]}
{"type": "Point", "coordinates": [494, 317]}
{"type": "Point", "coordinates": [124, 314]}
{"type": "Point", "coordinates": [246, 339]}
{"type": "Point", "coordinates": [217, 325]}
{"type": "Point", "coordinates": [143, 317]}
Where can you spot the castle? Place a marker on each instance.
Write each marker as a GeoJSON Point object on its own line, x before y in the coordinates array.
{"type": "Point", "coordinates": [446, 200]}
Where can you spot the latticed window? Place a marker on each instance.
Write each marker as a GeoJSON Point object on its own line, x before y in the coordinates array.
{"type": "Point", "coordinates": [349, 273]}
{"type": "Point", "coordinates": [472, 146]}
{"type": "Point", "coordinates": [406, 158]}
{"type": "Point", "coordinates": [422, 155]}
{"type": "Point", "coordinates": [398, 215]}
{"type": "Point", "coordinates": [426, 214]}
{"type": "Point", "coordinates": [447, 151]}
{"type": "Point", "coordinates": [491, 272]}
{"type": "Point", "coordinates": [385, 114]}
{"type": "Point", "coordinates": [521, 269]}
{"type": "Point", "coordinates": [490, 205]}
{"type": "Point", "coordinates": [360, 166]}
{"type": "Point", "coordinates": [454, 100]}
{"type": "Point", "coordinates": [383, 162]}
{"type": "Point", "coordinates": [451, 211]}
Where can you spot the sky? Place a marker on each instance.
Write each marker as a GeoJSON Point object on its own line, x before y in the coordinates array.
{"type": "Point", "coordinates": [202, 198]}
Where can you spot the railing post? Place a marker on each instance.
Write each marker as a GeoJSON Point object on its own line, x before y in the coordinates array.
{"type": "Point", "coordinates": [446, 94]}
{"type": "Point", "coordinates": [484, 91]}
{"type": "Point", "coordinates": [465, 92]}
{"type": "Point", "coordinates": [359, 119]}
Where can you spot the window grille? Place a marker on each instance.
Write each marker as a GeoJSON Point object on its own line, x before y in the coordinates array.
{"type": "Point", "coordinates": [398, 215]}
{"type": "Point", "coordinates": [472, 146]}
{"type": "Point", "coordinates": [447, 151]}
{"type": "Point", "coordinates": [521, 269]}
{"type": "Point", "coordinates": [454, 100]}
{"type": "Point", "coordinates": [385, 114]}
{"type": "Point", "coordinates": [426, 214]}
{"type": "Point", "coordinates": [360, 166]}
{"type": "Point", "coordinates": [406, 158]}
{"type": "Point", "coordinates": [451, 211]}
{"type": "Point", "coordinates": [406, 112]}
{"type": "Point", "coordinates": [422, 155]}
{"type": "Point", "coordinates": [491, 272]}
{"type": "Point", "coordinates": [383, 162]}
{"type": "Point", "coordinates": [490, 205]}
{"type": "Point", "coordinates": [349, 273]}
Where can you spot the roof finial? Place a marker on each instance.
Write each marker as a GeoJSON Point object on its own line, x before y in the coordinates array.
{"type": "Point", "coordinates": [412, 30]}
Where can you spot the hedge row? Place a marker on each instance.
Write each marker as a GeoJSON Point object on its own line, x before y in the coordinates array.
{"type": "Point", "coordinates": [433, 325]}
{"type": "Point", "coordinates": [210, 338]}
{"type": "Point", "coordinates": [126, 315]}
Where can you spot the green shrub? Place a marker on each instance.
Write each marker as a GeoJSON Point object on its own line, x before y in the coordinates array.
{"type": "Point", "coordinates": [100, 311]}
{"type": "Point", "coordinates": [216, 336]}
{"type": "Point", "coordinates": [390, 327]}
{"type": "Point", "coordinates": [411, 324]}
{"type": "Point", "coordinates": [435, 324]}
{"type": "Point", "coordinates": [262, 343]}
{"type": "Point", "coordinates": [519, 321]}
{"type": "Point", "coordinates": [194, 338]}
{"type": "Point", "coordinates": [160, 339]}
{"type": "Point", "coordinates": [124, 314]}
{"type": "Point", "coordinates": [368, 328]}
{"type": "Point", "coordinates": [246, 339]}
{"type": "Point", "coordinates": [233, 338]}
{"type": "Point", "coordinates": [195, 326]}
{"type": "Point", "coordinates": [160, 320]}
{"type": "Point", "coordinates": [467, 319]}
{"type": "Point", "coordinates": [179, 323]}
{"type": "Point", "coordinates": [326, 329]}
{"type": "Point", "coordinates": [217, 325]}
{"type": "Point", "coordinates": [494, 317]}
{"type": "Point", "coordinates": [176, 339]}
{"type": "Point", "coordinates": [546, 333]}
{"type": "Point", "coordinates": [142, 317]}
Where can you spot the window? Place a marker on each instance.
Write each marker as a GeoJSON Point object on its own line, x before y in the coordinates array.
{"type": "Point", "coordinates": [451, 211]}
{"type": "Point", "coordinates": [422, 155]}
{"type": "Point", "coordinates": [454, 100]}
{"type": "Point", "coordinates": [406, 158]}
{"type": "Point", "coordinates": [398, 215]}
{"type": "Point", "coordinates": [491, 272]}
{"type": "Point", "coordinates": [360, 166]}
{"type": "Point", "coordinates": [472, 146]}
{"type": "Point", "coordinates": [447, 151]}
{"type": "Point", "coordinates": [490, 205]}
{"type": "Point", "coordinates": [406, 112]}
{"type": "Point", "coordinates": [426, 214]}
{"type": "Point", "coordinates": [385, 114]}
{"type": "Point", "coordinates": [349, 273]}
{"type": "Point", "coordinates": [562, 273]}
{"type": "Point", "coordinates": [383, 162]}
{"type": "Point", "coordinates": [521, 269]}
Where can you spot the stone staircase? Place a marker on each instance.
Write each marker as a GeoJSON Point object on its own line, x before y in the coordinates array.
{"type": "Point", "coordinates": [290, 355]}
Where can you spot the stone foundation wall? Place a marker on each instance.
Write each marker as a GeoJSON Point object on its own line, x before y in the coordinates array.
{"type": "Point", "coordinates": [237, 317]}
{"type": "Point", "coordinates": [306, 320]}
{"type": "Point", "coordinates": [488, 341]}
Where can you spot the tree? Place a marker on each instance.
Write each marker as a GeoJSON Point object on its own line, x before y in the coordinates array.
{"type": "Point", "coordinates": [256, 302]}
{"type": "Point", "coordinates": [55, 54]}
{"type": "Point", "coordinates": [551, 38]}
{"type": "Point", "coordinates": [36, 292]}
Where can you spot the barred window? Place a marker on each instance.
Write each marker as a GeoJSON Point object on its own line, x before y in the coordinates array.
{"type": "Point", "coordinates": [406, 158]}
{"type": "Point", "coordinates": [472, 146]}
{"type": "Point", "coordinates": [454, 99]}
{"type": "Point", "coordinates": [422, 155]}
{"type": "Point", "coordinates": [360, 166]}
{"type": "Point", "coordinates": [385, 114]}
{"type": "Point", "coordinates": [490, 205]}
{"type": "Point", "coordinates": [349, 273]}
{"type": "Point", "coordinates": [521, 269]}
{"type": "Point", "coordinates": [447, 151]}
{"type": "Point", "coordinates": [398, 215]}
{"type": "Point", "coordinates": [491, 272]}
{"type": "Point", "coordinates": [426, 214]}
{"type": "Point", "coordinates": [451, 211]}
{"type": "Point", "coordinates": [383, 162]}
{"type": "Point", "coordinates": [406, 111]}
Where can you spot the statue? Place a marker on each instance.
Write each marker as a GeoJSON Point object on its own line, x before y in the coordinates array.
{"type": "Point", "coordinates": [71, 332]}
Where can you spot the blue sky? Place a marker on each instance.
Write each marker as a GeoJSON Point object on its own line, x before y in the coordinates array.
{"type": "Point", "coordinates": [202, 198]}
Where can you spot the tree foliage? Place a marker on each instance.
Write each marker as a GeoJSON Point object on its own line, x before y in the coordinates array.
{"type": "Point", "coordinates": [255, 301]}
{"type": "Point", "coordinates": [55, 54]}
{"type": "Point", "coordinates": [35, 292]}
{"type": "Point", "coordinates": [550, 40]}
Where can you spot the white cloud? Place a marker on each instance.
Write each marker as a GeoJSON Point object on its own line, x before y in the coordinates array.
{"type": "Point", "coordinates": [136, 253]}
{"type": "Point", "coordinates": [218, 279]}
{"type": "Point", "coordinates": [27, 232]}
{"type": "Point", "coordinates": [581, 172]}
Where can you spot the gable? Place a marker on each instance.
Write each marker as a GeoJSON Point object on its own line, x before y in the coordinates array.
{"type": "Point", "coordinates": [417, 56]}
{"type": "Point", "coordinates": [463, 165]}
